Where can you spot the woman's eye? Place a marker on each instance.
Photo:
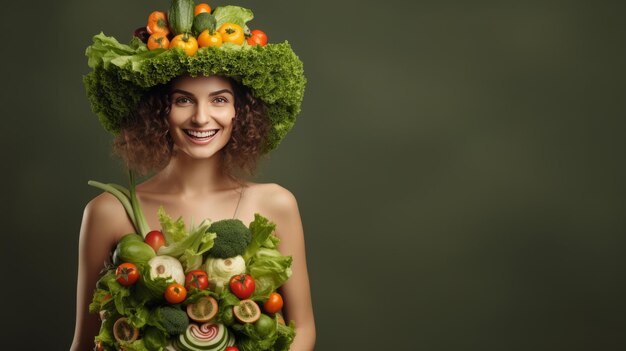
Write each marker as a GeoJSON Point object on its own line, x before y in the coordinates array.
{"type": "Point", "coordinates": [220, 100]}
{"type": "Point", "coordinates": [183, 100]}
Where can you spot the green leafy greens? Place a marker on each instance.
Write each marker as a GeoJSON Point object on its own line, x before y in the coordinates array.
{"type": "Point", "coordinates": [232, 14]}
{"type": "Point", "coordinates": [144, 305]}
{"type": "Point", "coordinates": [269, 268]}
{"type": "Point", "coordinates": [188, 248]}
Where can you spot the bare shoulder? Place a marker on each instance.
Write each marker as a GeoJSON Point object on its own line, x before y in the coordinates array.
{"type": "Point", "coordinates": [272, 198]}
{"type": "Point", "coordinates": [105, 215]}
{"type": "Point", "coordinates": [106, 206]}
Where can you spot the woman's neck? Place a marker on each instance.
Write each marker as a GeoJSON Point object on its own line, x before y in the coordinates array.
{"type": "Point", "coordinates": [190, 177]}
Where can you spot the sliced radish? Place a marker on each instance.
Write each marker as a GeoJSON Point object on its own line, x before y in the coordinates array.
{"type": "Point", "coordinates": [208, 336]}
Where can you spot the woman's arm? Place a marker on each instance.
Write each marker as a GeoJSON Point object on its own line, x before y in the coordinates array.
{"type": "Point", "coordinates": [104, 221]}
{"type": "Point", "coordinates": [283, 210]}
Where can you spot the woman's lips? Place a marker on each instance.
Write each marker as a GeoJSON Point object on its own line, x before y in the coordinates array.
{"type": "Point", "coordinates": [201, 136]}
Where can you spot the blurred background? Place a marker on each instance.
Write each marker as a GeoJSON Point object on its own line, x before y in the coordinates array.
{"type": "Point", "coordinates": [459, 168]}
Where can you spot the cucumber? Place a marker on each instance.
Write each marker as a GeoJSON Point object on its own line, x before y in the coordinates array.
{"type": "Point", "coordinates": [180, 16]}
{"type": "Point", "coordinates": [202, 22]}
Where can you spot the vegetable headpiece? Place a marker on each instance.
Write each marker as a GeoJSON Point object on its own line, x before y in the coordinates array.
{"type": "Point", "coordinates": [122, 73]}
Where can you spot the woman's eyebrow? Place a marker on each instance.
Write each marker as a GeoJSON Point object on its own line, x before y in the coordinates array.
{"type": "Point", "coordinates": [218, 92]}
{"type": "Point", "coordinates": [180, 91]}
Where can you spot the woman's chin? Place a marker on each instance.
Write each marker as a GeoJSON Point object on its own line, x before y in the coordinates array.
{"type": "Point", "coordinates": [197, 153]}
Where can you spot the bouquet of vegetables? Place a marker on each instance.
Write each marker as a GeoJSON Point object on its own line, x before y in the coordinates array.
{"type": "Point", "coordinates": [209, 287]}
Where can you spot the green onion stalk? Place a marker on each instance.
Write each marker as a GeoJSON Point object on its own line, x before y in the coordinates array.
{"type": "Point", "coordinates": [128, 198]}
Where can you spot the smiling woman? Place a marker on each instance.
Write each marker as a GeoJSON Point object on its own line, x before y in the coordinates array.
{"type": "Point", "coordinates": [146, 141]}
{"type": "Point", "coordinates": [196, 125]}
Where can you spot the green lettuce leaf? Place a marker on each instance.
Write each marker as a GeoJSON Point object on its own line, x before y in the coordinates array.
{"type": "Point", "coordinates": [225, 311]}
{"type": "Point", "coordinates": [271, 242]}
{"type": "Point", "coordinates": [127, 301]}
{"type": "Point", "coordinates": [192, 257]}
{"type": "Point", "coordinates": [270, 269]}
{"type": "Point", "coordinates": [149, 290]}
{"type": "Point", "coordinates": [173, 231]}
{"type": "Point", "coordinates": [261, 229]}
{"type": "Point", "coordinates": [98, 301]}
{"type": "Point", "coordinates": [190, 248]}
{"type": "Point", "coordinates": [248, 338]}
{"type": "Point", "coordinates": [105, 49]}
{"type": "Point", "coordinates": [286, 334]}
{"type": "Point", "coordinates": [106, 332]}
{"type": "Point", "coordinates": [232, 14]}
{"type": "Point", "coordinates": [137, 345]}
{"type": "Point", "coordinates": [256, 343]}
{"type": "Point", "coordinates": [154, 338]}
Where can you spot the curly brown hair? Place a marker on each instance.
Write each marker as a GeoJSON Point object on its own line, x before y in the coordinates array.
{"type": "Point", "coordinates": [145, 144]}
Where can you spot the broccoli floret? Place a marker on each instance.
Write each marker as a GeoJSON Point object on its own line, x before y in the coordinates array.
{"type": "Point", "coordinates": [174, 320]}
{"type": "Point", "coordinates": [232, 238]}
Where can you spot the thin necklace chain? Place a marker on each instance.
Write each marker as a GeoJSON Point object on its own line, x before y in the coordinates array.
{"type": "Point", "coordinates": [238, 202]}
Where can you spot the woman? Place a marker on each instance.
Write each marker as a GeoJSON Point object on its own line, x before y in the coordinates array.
{"type": "Point", "coordinates": [199, 134]}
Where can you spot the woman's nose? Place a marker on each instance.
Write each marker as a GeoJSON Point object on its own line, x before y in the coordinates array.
{"type": "Point", "coordinates": [202, 115]}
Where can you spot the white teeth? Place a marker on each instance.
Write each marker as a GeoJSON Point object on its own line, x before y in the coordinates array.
{"type": "Point", "coordinates": [197, 134]}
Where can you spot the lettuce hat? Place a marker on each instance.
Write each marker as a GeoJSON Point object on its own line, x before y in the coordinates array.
{"type": "Point", "coordinates": [122, 73]}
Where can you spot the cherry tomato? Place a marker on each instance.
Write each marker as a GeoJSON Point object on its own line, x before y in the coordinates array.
{"type": "Point", "coordinates": [155, 239]}
{"type": "Point", "coordinates": [175, 293]}
{"type": "Point", "coordinates": [201, 8]}
{"type": "Point", "coordinates": [188, 43]}
{"type": "Point", "coordinates": [257, 37]}
{"type": "Point", "coordinates": [231, 33]}
{"type": "Point", "coordinates": [158, 41]}
{"type": "Point", "coordinates": [231, 348]}
{"type": "Point", "coordinates": [274, 303]}
{"type": "Point", "coordinates": [196, 279]}
{"type": "Point", "coordinates": [207, 39]}
{"type": "Point", "coordinates": [127, 274]}
{"type": "Point", "coordinates": [242, 285]}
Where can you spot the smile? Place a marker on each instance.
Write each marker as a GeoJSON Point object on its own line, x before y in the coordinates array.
{"type": "Point", "coordinates": [200, 136]}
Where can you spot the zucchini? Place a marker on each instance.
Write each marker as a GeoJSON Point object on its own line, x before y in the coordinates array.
{"type": "Point", "coordinates": [180, 16]}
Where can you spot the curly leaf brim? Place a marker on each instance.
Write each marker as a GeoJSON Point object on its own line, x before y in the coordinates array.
{"type": "Point", "coordinates": [122, 74]}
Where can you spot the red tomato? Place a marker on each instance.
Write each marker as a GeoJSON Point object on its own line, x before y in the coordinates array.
{"type": "Point", "coordinates": [197, 279]}
{"type": "Point", "coordinates": [231, 348]}
{"type": "Point", "coordinates": [175, 293]}
{"type": "Point", "coordinates": [257, 37]}
{"type": "Point", "coordinates": [274, 303]}
{"type": "Point", "coordinates": [127, 274]}
{"type": "Point", "coordinates": [242, 285]}
{"type": "Point", "coordinates": [155, 239]}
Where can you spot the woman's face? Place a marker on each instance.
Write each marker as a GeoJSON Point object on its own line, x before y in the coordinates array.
{"type": "Point", "coordinates": [201, 115]}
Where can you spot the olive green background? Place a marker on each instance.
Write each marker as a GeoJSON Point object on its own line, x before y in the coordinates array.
{"type": "Point", "coordinates": [459, 167]}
